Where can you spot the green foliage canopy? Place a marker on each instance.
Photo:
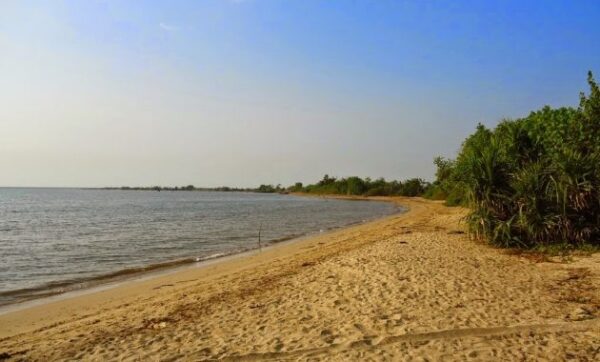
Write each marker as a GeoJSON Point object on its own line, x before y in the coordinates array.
{"type": "Point", "coordinates": [531, 181]}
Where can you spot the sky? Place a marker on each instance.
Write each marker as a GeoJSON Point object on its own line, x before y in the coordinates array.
{"type": "Point", "coordinates": [244, 92]}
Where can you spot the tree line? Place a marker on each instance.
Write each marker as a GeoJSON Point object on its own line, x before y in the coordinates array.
{"type": "Point", "coordinates": [355, 185]}
{"type": "Point", "coordinates": [328, 185]}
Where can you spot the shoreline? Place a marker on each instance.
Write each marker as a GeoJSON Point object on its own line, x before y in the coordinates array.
{"type": "Point", "coordinates": [405, 285]}
{"type": "Point", "coordinates": [61, 289]}
{"type": "Point", "coordinates": [148, 275]}
{"type": "Point", "coordinates": [122, 277]}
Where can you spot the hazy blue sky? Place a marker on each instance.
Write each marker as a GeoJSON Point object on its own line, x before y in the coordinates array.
{"type": "Point", "coordinates": [96, 93]}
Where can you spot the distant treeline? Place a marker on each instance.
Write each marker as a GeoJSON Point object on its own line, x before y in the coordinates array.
{"type": "Point", "coordinates": [328, 185]}
{"type": "Point", "coordinates": [533, 181]}
{"type": "Point", "coordinates": [180, 188]}
{"type": "Point", "coordinates": [355, 185]}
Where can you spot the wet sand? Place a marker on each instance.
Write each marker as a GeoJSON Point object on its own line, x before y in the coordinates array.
{"type": "Point", "coordinates": [411, 286]}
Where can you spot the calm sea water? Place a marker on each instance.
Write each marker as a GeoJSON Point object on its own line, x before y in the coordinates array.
{"type": "Point", "coordinates": [54, 240]}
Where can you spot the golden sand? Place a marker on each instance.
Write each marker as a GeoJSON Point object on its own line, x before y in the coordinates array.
{"type": "Point", "coordinates": [407, 287]}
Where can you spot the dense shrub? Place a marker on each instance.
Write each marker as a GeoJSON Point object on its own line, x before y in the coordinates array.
{"type": "Point", "coordinates": [531, 181]}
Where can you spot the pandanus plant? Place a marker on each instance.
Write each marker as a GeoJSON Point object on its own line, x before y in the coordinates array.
{"type": "Point", "coordinates": [533, 181]}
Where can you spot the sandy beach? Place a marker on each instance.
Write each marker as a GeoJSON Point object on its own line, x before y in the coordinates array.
{"type": "Point", "coordinates": [411, 286]}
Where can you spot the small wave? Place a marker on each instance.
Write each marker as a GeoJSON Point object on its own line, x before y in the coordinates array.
{"type": "Point", "coordinates": [212, 256]}
{"type": "Point", "coordinates": [60, 287]}
{"type": "Point", "coordinates": [63, 286]}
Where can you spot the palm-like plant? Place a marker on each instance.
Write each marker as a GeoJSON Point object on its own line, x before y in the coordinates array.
{"type": "Point", "coordinates": [534, 180]}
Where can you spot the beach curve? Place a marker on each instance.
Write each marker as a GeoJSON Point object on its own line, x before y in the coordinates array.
{"type": "Point", "coordinates": [406, 285]}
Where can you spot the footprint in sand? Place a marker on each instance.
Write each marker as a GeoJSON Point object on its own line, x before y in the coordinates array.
{"type": "Point", "coordinates": [327, 336]}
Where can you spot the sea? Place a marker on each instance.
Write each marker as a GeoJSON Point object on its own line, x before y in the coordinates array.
{"type": "Point", "coordinates": [55, 240]}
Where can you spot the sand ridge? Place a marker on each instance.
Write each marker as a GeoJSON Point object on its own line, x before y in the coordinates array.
{"type": "Point", "coordinates": [407, 287]}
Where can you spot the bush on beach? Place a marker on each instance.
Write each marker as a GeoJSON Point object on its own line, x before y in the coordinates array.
{"type": "Point", "coordinates": [532, 181]}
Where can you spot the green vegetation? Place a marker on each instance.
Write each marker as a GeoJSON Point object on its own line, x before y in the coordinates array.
{"type": "Point", "coordinates": [268, 189]}
{"type": "Point", "coordinates": [328, 185]}
{"type": "Point", "coordinates": [531, 182]}
{"type": "Point", "coordinates": [181, 188]}
{"type": "Point", "coordinates": [364, 187]}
